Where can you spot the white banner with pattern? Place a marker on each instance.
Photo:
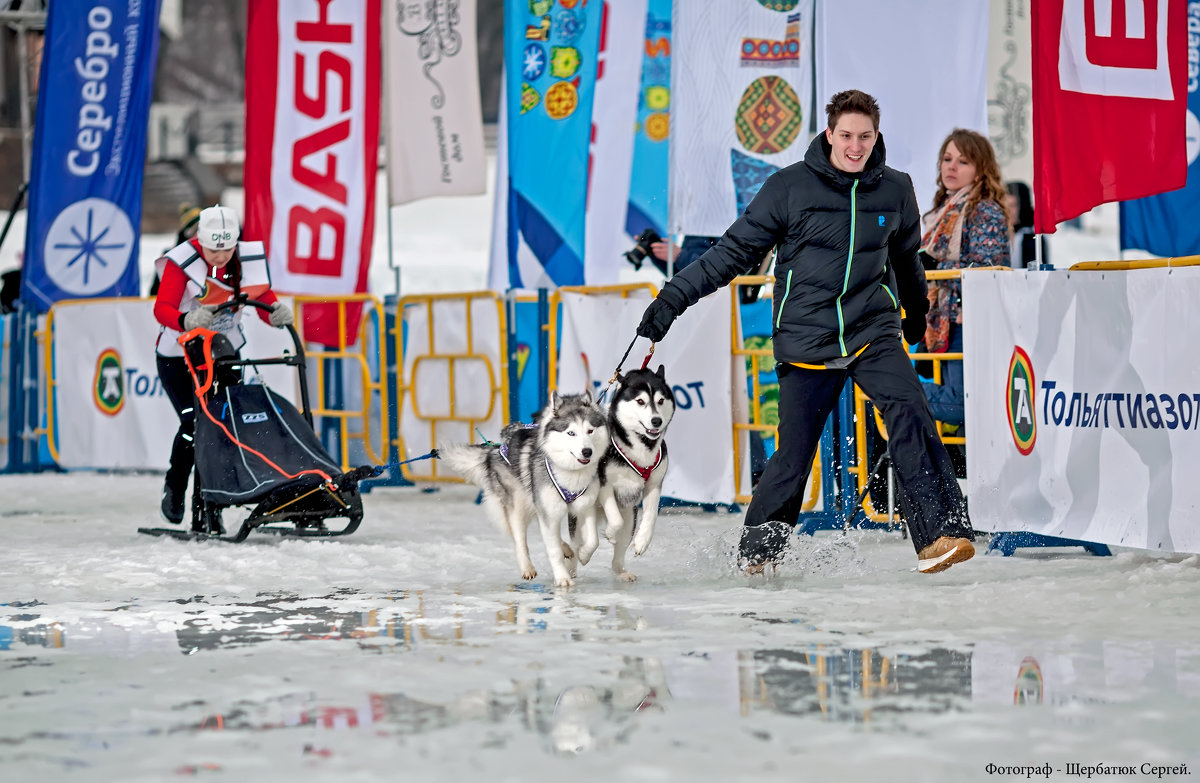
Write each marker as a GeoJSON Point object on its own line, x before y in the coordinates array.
{"type": "Point", "coordinates": [741, 100]}
{"type": "Point", "coordinates": [435, 123]}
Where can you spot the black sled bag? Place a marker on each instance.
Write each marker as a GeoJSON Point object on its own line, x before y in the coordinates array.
{"type": "Point", "coordinates": [252, 442]}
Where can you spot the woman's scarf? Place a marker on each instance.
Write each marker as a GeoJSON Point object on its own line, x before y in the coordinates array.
{"type": "Point", "coordinates": [942, 240]}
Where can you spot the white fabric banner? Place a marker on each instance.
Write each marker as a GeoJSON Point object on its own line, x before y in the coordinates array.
{"type": "Point", "coordinates": [1010, 88]}
{"type": "Point", "coordinates": [1083, 404]}
{"type": "Point", "coordinates": [614, 119]}
{"type": "Point", "coordinates": [698, 366]}
{"type": "Point", "coordinates": [435, 123]}
{"type": "Point", "coordinates": [110, 409]}
{"type": "Point", "coordinates": [453, 382]}
{"type": "Point", "coordinates": [741, 85]}
{"type": "Point", "coordinates": [929, 74]}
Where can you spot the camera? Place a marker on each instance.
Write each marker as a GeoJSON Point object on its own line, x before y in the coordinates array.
{"type": "Point", "coordinates": [641, 247]}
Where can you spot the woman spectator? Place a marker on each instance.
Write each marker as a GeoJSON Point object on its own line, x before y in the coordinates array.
{"type": "Point", "coordinates": [967, 227]}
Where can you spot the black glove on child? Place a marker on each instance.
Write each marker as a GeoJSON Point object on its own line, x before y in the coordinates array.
{"type": "Point", "coordinates": [657, 320]}
{"type": "Point", "coordinates": [913, 325]}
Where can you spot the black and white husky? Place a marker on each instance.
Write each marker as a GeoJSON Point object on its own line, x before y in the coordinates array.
{"type": "Point", "coordinates": [632, 469]}
{"type": "Point", "coordinates": [546, 471]}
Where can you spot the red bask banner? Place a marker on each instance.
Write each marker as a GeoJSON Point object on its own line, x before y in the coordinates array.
{"type": "Point", "coordinates": [1109, 103]}
{"type": "Point", "coordinates": [312, 146]}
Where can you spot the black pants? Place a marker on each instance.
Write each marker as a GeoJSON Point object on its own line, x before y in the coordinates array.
{"type": "Point", "coordinates": [930, 497]}
{"type": "Point", "coordinates": [177, 383]}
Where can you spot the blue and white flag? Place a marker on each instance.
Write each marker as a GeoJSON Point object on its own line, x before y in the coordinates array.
{"type": "Point", "coordinates": [551, 50]}
{"type": "Point", "coordinates": [89, 149]}
{"type": "Point", "coordinates": [1166, 224]}
{"type": "Point", "coordinates": [648, 184]}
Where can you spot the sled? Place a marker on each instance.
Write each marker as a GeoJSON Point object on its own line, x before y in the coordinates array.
{"type": "Point", "coordinates": [254, 449]}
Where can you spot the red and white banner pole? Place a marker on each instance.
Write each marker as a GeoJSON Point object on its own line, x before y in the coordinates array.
{"type": "Point", "coordinates": [312, 141]}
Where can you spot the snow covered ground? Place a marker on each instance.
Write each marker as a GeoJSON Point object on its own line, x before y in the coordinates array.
{"type": "Point", "coordinates": [412, 651]}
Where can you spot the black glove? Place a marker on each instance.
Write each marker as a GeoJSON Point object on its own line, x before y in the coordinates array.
{"type": "Point", "coordinates": [913, 325]}
{"type": "Point", "coordinates": [657, 320]}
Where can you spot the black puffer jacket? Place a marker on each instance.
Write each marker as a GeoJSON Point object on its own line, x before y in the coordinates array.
{"type": "Point", "coordinates": [830, 301]}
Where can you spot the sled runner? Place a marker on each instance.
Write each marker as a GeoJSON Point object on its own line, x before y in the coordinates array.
{"type": "Point", "coordinates": [253, 448]}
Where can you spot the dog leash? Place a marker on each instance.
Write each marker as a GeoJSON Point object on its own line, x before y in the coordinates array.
{"type": "Point", "coordinates": [612, 381]}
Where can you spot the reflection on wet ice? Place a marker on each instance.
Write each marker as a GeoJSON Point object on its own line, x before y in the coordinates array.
{"type": "Point", "coordinates": [594, 705]}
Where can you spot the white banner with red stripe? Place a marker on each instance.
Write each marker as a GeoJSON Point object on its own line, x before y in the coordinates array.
{"type": "Point", "coordinates": [312, 139]}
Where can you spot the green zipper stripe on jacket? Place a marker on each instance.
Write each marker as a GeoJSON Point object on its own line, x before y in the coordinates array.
{"type": "Point", "coordinates": [787, 289]}
{"type": "Point", "coordinates": [889, 293]}
{"type": "Point", "coordinates": [849, 263]}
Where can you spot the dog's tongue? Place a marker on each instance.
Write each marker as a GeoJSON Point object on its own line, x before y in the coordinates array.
{"type": "Point", "coordinates": [583, 461]}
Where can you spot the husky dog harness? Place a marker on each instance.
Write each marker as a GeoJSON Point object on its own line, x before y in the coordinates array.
{"type": "Point", "coordinates": [643, 472]}
{"type": "Point", "coordinates": [568, 497]}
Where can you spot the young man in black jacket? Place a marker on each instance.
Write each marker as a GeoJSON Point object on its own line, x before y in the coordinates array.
{"type": "Point", "coordinates": [847, 230]}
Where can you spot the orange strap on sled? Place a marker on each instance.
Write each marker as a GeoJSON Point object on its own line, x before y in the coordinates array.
{"type": "Point", "coordinates": [206, 337]}
{"type": "Point", "coordinates": [203, 387]}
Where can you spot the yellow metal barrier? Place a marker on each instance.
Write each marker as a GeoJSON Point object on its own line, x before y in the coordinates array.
{"type": "Point", "coordinates": [755, 358]}
{"type": "Point", "coordinates": [1140, 263]}
{"type": "Point", "coordinates": [624, 289]}
{"type": "Point", "coordinates": [44, 338]}
{"type": "Point", "coordinates": [497, 391]}
{"type": "Point", "coordinates": [862, 467]}
{"type": "Point", "coordinates": [372, 329]}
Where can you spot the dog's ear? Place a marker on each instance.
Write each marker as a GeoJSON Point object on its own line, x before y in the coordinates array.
{"type": "Point", "coordinates": [587, 394]}
{"type": "Point", "coordinates": [555, 400]}
{"type": "Point", "coordinates": [660, 373]}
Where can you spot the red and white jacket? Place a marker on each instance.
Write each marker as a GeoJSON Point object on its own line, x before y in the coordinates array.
{"type": "Point", "coordinates": [187, 282]}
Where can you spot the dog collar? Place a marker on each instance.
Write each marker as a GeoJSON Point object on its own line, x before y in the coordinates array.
{"type": "Point", "coordinates": [643, 472]}
{"type": "Point", "coordinates": [567, 496]}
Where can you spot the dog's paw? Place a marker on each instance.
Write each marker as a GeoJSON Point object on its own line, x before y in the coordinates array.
{"type": "Point", "coordinates": [568, 553]}
{"type": "Point", "coordinates": [626, 576]}
{"type": "Point", "coordinates": [564, 581]}
{"type": "Point", "coordinates": [529, 573]}
{"type": "Point", "coordinates": [641, 544]}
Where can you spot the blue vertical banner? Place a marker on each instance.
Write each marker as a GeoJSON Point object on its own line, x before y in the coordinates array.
{"type": "Point", "coordinates": [551, 49]}
{"type": "Point", "coordinates": [89, 150]}
{"type": "Point", "coordinates": [648, 183]}
{"type": "Point", "coordinates": [1166, 224]}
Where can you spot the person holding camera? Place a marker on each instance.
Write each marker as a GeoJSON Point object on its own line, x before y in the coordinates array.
{"type": "Point", "coordinates": [847, 231]}
{"type": "Point", "coordinates": [198, 275]}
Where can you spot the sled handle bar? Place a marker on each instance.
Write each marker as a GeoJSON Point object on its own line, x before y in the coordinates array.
{"type": "Point", "coordinates": [298, 360]}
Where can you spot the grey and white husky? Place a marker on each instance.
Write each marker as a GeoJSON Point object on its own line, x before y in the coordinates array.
{"type": "Point", "coordinates": [632, 469]}
{"type": "Point", "coordinates": [546, 471]}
